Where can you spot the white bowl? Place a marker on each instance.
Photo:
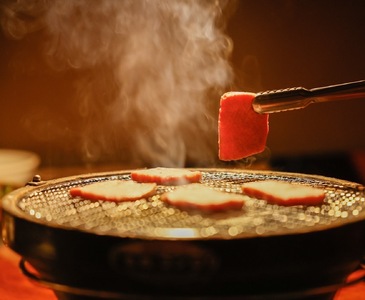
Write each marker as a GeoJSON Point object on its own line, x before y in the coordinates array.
{"type": "Point", "coordinates": [17, 167]}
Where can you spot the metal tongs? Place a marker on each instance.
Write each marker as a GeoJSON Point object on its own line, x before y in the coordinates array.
{"type": "Point", "coordinates": [299, 97]}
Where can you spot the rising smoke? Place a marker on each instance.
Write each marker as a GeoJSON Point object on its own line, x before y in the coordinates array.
{"type": "Point", "coordinates": [157, 69]}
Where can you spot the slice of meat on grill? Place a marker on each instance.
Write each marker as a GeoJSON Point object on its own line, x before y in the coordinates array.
{"type": "Point", "coordinates": [284, 193]}
{"type": "Point", "coordinates": [202, 197]}
{"type": "Point", "coordinates": [166, 176]}
{"type": "Point", "coordinates": [241, 131]}
{"type": "Point", "coordinates": [114, 190]}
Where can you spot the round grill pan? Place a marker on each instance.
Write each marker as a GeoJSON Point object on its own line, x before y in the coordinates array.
{"type": "Point", "coordinates": [150, 249]}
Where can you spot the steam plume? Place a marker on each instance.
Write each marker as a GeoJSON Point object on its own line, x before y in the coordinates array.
{"type": "Point", "coordinates": [156, 70]}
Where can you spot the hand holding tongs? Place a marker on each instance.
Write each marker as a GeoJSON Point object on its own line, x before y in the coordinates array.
{"type": "Point", "coordinates": [298, 97]}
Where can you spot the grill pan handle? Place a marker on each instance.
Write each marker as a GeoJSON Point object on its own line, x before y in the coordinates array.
{"type": "Point", "coordinates": [299, 97]}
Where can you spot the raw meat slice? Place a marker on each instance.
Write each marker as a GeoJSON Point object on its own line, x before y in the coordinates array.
{"type": "Point", "coordinates": [241, 131]}
{"type": "Point", "coordinates": [115, 190]}
{"type": "Point", "coordinates": [202, 197]}
{"type": "Point", "coordinates": [166, 176]}
{"type": "Point", "coordinates": [284, 193]}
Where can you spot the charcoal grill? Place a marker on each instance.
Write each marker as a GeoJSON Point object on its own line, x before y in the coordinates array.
{"type": "Point", "coordinates": [148, 249]}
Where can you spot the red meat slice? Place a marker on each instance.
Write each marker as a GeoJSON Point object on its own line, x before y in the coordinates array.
{"type": "Point", "coordinates": [166, 176]}
{"type": "Point", "coordinates": [115, 190]}
{"type": "Point", "coordinates": [199, 196]}
{"type": "Point", "coordinates": [284, 193]}
{"type": "Point", "coordinates": [241, 131]}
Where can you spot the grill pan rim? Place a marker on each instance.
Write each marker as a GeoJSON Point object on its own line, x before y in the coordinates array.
{"type": "Point", "coordinates": [10, 207]}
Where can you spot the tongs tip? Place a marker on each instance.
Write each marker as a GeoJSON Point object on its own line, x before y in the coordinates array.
{"type": "Point", "coordinates": [299, 97]}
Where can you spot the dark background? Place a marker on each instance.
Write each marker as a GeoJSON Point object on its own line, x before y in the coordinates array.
{"type": "Point", "coordinates": [277, 44]}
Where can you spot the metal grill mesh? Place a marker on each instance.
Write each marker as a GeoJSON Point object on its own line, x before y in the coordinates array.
{"type": "Point", "coordinates": [151, 218]}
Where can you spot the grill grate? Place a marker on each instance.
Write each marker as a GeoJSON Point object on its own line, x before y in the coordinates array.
{"type": "Point", "coordinates": [151, 218]}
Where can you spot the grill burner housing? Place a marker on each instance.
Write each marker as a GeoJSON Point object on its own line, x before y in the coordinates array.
{"type": "Point", "coordinates": [149, 249]}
